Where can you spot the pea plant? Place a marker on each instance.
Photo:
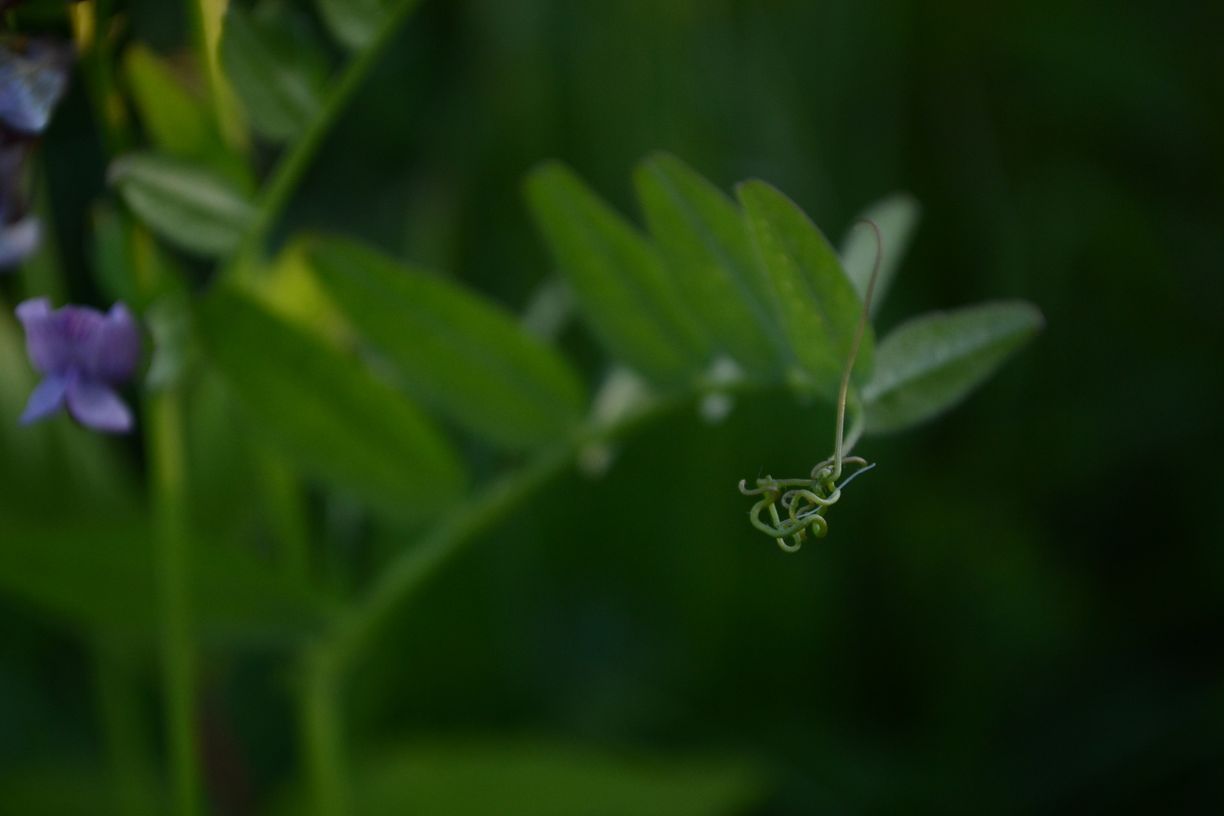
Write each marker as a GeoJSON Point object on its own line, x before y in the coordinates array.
{"type": "Point", "coordinates": [342, 376]}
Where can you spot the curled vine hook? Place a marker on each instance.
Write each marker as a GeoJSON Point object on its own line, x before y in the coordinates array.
{"type": "Point", "coordinates": [807, 500]}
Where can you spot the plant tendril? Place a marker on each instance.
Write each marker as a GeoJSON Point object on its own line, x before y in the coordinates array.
{"type": "Point", "coordinates": [806, 500]}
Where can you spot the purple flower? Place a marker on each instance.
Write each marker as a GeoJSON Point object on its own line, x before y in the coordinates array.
{"type": "Point", "coordinates": [18, 241]}
{"type": "Point", "coordinates": [82, 354]}
{"type": "Point", "coordinates": [31, 84]}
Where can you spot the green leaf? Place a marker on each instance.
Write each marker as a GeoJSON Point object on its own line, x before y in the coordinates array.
{"type": "Point", "coordinates": [184, 203]}
{"type": "Point", "coordinates": [98, 575]}
{"type": "Point", "coordinates": [704, 238]}
{"type": "Point", "coordinates": [618, 279]}
{"type": "Point", "coordinates": [354, 23]}
{"type": "Point", "coordinates": [177, 121]}
{"type": "Point", "coordinates": [813, 299]}
{"type": "Point", "coordinates": [328, 412]}
{"type": "Point", "coordinates": [275, 70]}
{"type": "Point", "coordinates": [927, 365]}
{"type": "Point", "coordinates": [897, 217]}
{"type": "Point", "coordinates": [455, 350]}
{"type": "Point", "coordinates": [520, 778]}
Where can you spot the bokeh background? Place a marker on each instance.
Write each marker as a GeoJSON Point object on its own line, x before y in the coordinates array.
{"type": "Point", "coordinates": [1018, 611]}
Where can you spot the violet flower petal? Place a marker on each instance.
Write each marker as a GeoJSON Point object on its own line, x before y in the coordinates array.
{"type": "Point", "coordinates": [18, 241]}
{"type": "Point", "coordinates": [31, 85]}
{"type": "Point", "coordinates": [97, 406]}
{"type": "Point", "coordinates": [45, 400]}
{"type": "Point", "coordinates": [114, 350]}
{"type": "Point", "coordinates": [54, 337]}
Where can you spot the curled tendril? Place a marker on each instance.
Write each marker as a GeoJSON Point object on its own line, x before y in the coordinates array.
{"type": "Point", "coordinates": [806, 501]}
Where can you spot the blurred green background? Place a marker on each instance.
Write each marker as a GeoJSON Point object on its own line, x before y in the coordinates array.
{"type": "Point", "coordinates": [1019, 611]}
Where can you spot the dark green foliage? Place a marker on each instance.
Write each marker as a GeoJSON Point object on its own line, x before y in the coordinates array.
{"type": "Point", "coordinates": [275, 69]}
{"type": "Point", "coordinates": [328, 412]}
{"type": "Point", "coordinates": [988, 627]}
{"type": "Point", "coordinates": [810, 294]}
{"type": "Point", "coordinates": [930, 363]}
{"type": "Point", "coordinates": [638, 310]}
{"type": "Point", "coordinates": [458, 352]}
{"type": "Point", "coordinates": [710, 254]}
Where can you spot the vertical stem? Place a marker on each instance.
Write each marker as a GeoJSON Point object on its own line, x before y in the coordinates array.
{"type": "Point", "coordinates": [844, 391]}
{"type": "Point", "coordinates": [292, 167]}
{"type": "Point", "coordinates": [209, 19]}
{"type": "Point", "coordinates": [97, 63]}
{"type": "Point", "coordinates": [171, 551]}
{"type": "Point", "coordinates": [322, 735]}
{"type": "Point", "coordinates": [118, 705]}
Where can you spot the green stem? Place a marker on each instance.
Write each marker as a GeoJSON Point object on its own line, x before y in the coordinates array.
{"type": "Point", "coordinates": [844, 390]}
{"type": "Point", "coordinates": [283, 498]}
{"type": "Point", "coordinates": [322, 712]}
{"type": "Point", "coordinates": [171, 550]}
{"type": "Point", "coordinates": [292, 167]}
{"type": "Point", "coordinates": [321, 724]}
{"type": "Point", "coordinates": [337, 650]}
{"type": "Point", "coordinates": [208, 18]}
{"type": "Point", "coordinates": [119, 706]}
{"type": "Point", "coordinates": [418, 563]}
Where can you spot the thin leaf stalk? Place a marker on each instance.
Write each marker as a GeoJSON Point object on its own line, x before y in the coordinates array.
{"type": "Point", "coordinates": [290, 171]}
{"type": "Point", "coordinates": [118, 702]}
{"type": "Point", "coordinates": [331, 658]}
{"type": "Point", "coordinates": [171, 545]}
{"type": "Point", "coordinates": [844, 390]}
{"type": "Point", "coordinates": [209, 20]}
{"type": "Point", "coordinates": [322, 737]}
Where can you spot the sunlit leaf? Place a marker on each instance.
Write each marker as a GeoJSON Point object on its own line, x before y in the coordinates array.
{"type": "Point", "coordinates": [328, 412]}
{"type": "Point", "coordinates": [275, 70]}
{"type": "Point", "coordinates": [183, 203]}
{"type": "Point", "coordinates": [177, 118]}
{"type": "Point", "coordinates": [460, 353]}
{"type": "Point", "coordinates": [930, 363]}
{"type": "Point", "coordinates": [813, 300]}
{"type": "Point", "coordinates": [177, 121]}
{"type": "Point", "coordinates": [897, 217]}
{"type": "Point", "coordinates": [704, 238]}
{"type": "Point", "coordinates": [618, 278]}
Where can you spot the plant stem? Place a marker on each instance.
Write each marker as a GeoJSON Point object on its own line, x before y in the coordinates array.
{"type": "Point", "coordinates": [844, 390]}
{"type": "Point", "coordinates": [331, 658]}
{"type": "Point", "coordinates": [323, 738]}
{"type": "Point", "coordinates": [118, 706]}
{"type": "Point", "coordinates": [171, 550]}
{"type": "Point", "coordinates": [282, 496]}
{"type": "Point", "coordinates": [208, 18]}
{"type": "Point", "coordinates": [326, 664]}
{"type": "Point", "coordinates": [418, 563]}
{"type": "Point", "coordinates": [293, 165]}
